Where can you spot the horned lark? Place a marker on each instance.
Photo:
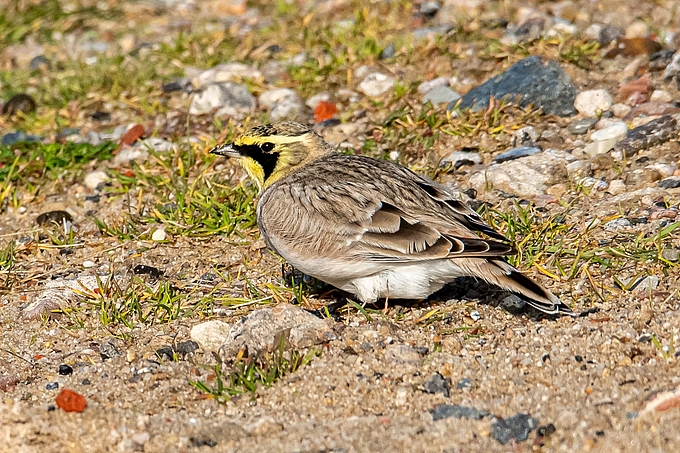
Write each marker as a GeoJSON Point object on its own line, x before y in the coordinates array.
{"type": "Point", "coordinates": [370, 227]}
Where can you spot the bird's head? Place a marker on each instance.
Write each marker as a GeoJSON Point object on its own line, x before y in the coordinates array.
{"type": "Point", "coordinates": [271, 151]}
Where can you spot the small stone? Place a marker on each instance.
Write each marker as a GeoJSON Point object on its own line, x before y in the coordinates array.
{"type": "Point", "coordinates": [660, 96]}
{"type": "Point", "coordinates": [464, 384]}
{"type": "Point", "coordinates": [582, 126]}
{"type": "Point", "coordinates": [375, 84]}
{"type": "Point", "coordinates": [315, 100]}
{"type": "Point", "coordinates": [159, 235]}
{"type": "Point", "coordinates": [12, 138]}
{"type": "Point", "coordinates": [58, 217]}
{"type": "Point", "coordinates": [436, 384]}
{"type": "Point", "coordinates": [425, 87]}
{"type": "Point", "coordinates": [8, 382]}
{"type": "Point", "coordinates": [546, 430]}
{"type": "Point", "coordinates": [65, 370]}
{"type": "Point", "coordinates": [515, 428]}
{"type": "Point", "coordinates": [229, 72]}
{"type": "Point", "coordinates": [459, 158]}
{"type": "Point", "coordinates": [617, 225]}
{"type": "Point", "coordinates": [101, 116]}
{"type": "Point", "coordinates": [650, 134]}
{"type": "Point", "coordinates": [530, 81]}
{"type": "Point", "coordinates": [454, 410]}
{"type": "Point", "coordinates": [226, 99]}
{"type": "Point", "coordinates": [142, 269]}
{"type": "Point", "coordinates": [670, 254]}
{"type": "Point", "coordinates": [594, 183]}
{"type": "Point", "coordinates": [516, 153]}
{"type": "Point", "coordinates": [648, 283]}
{"type": "Point", "coordinates": [94, 180]}
{"type": "Point", "coordinates": [401, 354]}
{"type": "Point", "coordinates": [578, 170]}
{"type": "Point", "coordinates": [19, 103]}
{"type": "Point", "coordinates": [88, 264]}
{"type": "Point", "coordinates": [108, 350]}
{"type": "Point", "coordinates": [265, 329]}
{"type": "Point", "coordinates": [525, 136]}
{"type": "Point", "coordinates": [388, 52]}
{"type": "Point", "coordinates": [140, 439]}
{"type": "Point", "coordinates": [440, 95]}
{"type": "Point", "coordinates": [673, 68]}
{"type": "Point", "coordinates": [39, 63]}
{"type": "Point", "coordinates": [616, 187]}
{"type": "Point", "coordinates": [616, 131]}
{"type": "Point", "coordinates": [513, 302]}
{"type": "Point", "coordinates": [599, 147]}
{"type": "Point", "coordinates": [210, 335]}
{"type": "Point", "coordinates": [592, 102]}
{"type": "Point", "coordinates": [637, 29]}
{"type": "Point", "coordinates": [186, 347]}
{"type": "Point", "coordinates": [52, 386]}
{"type": "Point", "coordinates": [620, 110]}
{"type": "Point", "coordinates": [670, 183]}
{"type": "Point", "coordinates": [70, 401]}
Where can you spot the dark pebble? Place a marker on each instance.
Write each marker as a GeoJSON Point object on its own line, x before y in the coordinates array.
{"type": "Point", "coordinates": [582, 126]}
{"type": "Point", "coordinates": [52, 386]}
{"type": "Point", "coordinates": [437, 384]}
{"type": "Point", "coordinates": [51, 408]}
{"type": "Point", "coordinates": [331, 122]}
{"type": "Point", "coordinates": [142, 269]}
{"type": "Point", "coordinates": [202, 441]}
{"type": "Point", "coordinates": [65, 251]}
{"type": "Point", "coordinates": [101, 116]}
{"type": "Point", "coordinates": [472, 193]}
{"type": "Point", "coordinates": [578, 358]}
{"type": "Point", "coordinates": [670, 183]}
{"type": "Point", "coordinates": [178, 85]}
{"type": "Point", "coordinates": [165, 352]}
{"type": "Point", "coordinates": [650, 134]}
{"type": "Point", "coordinates": [12, 138]}
{"type": "Point", "coordinates": [455, 410]}
{"type": "Point", "coordinates": [186, 347]}
{"type": "Point", "coordinates": [19, 103]}
{"type": "Point", "coordinates": [86, 382]}
{"type": "Point", "coordinates": [65, 370]}
{"type": "Point", "coordinates": [546, 430]}
{"type": "Point", "coordinates": [464, 383]}
{"type": "Point", "coordinates": [38, 63]}
{"type": "Point", "coordinates": [68, 131]}
{"type": "Point", "coordinates": [609, 33]}
{"type": "Point", "coordinates": [515, 428]}
{"type": "Point", "coordinates": [631, 415]}
{"type": "Point", "coordinates": [516, 153]}
{"type": "Point", "coordinates": [388, 52]}
{"type": "Point", "coordinates": [58, 217]}
{"type": "Point", "coordinates": [638, 220]}
{"type": "Point", "coordinates": [108, 350]}
{"type": "Point", "coordinates": [429, 9]}
{"type": "Point", "coordinates": [529, 81]}
{"type": "Point", "coordinates": [93, 198]}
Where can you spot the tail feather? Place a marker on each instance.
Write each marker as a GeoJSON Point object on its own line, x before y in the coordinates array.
{"type": "Point", "coordinates": [502, 274]}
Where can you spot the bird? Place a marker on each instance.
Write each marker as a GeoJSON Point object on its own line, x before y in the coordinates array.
{"type": "Point", "coordinates": [370, 227]}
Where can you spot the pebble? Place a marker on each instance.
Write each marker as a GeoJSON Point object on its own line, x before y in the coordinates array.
{"type": "Point", "coordinates": [65, 370]}
{"type": "Point", "coordinates": [401, 354]}
{"type": "Point", "coordinates": [620, 110]}
{"type": "Point", "coordinates": [60, 217]}
{"type": "Point", "coordinates": [388, 52]}
{"type": "Point", "coordinates": [650, 134]}
{"type": "Point", "coordinates": [210, 335]}
{"type": "Point", "coordinates": [660, 96]}
{"type": "Point", "coordinates": [313, 101]}
{"type": "Point", "coordinates": [582, 126]}
{"type": "Point", "coordinates": [464, 384]}
{"type": "Point", "coordinates": [108, 350]}
{"type": "Point", "coordinates": [459, 158]}
{"type": "Point", "coordinates": [671, 254]}
{"type": "Point", "coordinates": [375, 84]}
{"type": "Point", "coordinates": [516, 153]}
{"type": "Point", "coordinates": [19, 103]}
{"type": "Point", "coordinates": [578, 170]}
{"type": "Point", "coordinates": [87, 264]}
{"type": "Point", "coordinates": [525, 136]}
{"type": "Point", "coordinates": [436, 384]}
{"type": "Point", "coordinates": [543, 85]}
{"type": "Point", "coordinates": [429, 85]}
{"type": "Point", "coordinates": [262, 329]}
{"type": "Point", "coordinates": [617, 225]}
{"type": "Point", "coordinates": [12, 138]}
{"type": "Point", "coordinates": [130, 154]}
{"type": "Point", "coordinates": [455, 410]}
{"type": "Point", "coordinates": [515, 428]}
{"type": "Point", "coordinates": [594, 183]}
{"type": "Point", "coordinates": [283, 103]}
{"type": "Point", "coordinates": [228, 72]}
{"type": "Point", "coordinates": [159, 235]}
{"type": "Point", "coordinates": [672, 182]}
{"type": "Point", "coordinates": [440, 95]}
{"type": "Point", "coordinates": [186, 347]}
{"type": "Point", "coordinates": [616, 187]}
{"type": "Point", "coordinates": [599, 147]}
{"type": "Point", "coordinates": [593, 102]}
{"type": "Point", "coordinates": [157, 144]}
{"type": "Point", "coordinates": [226, 99]}
{"type": "Point", "coordinates": [616, 131]}
{"type": "Point", "coordinates": [95, 179]}
{"type": "Point", "coordinates": [673, 68]}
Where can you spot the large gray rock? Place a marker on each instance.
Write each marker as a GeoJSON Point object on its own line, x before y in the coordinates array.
{"type": "Point", "coordinates": [224, 99]}
{"type": "Point", "coordinates": [529, 81]}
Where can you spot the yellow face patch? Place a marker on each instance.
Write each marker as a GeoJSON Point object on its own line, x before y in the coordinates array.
{"type": "Point", "coordinates": [254, 170]}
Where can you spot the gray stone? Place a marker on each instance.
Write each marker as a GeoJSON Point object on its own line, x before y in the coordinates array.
{"type": "Point", "coordinates": [650, 134]}
{"type": "Point", "coordinates": [440, 95]}
{"type": "Point", "coordinates": [431, 32]}
{"type": "Point", "coordinates": [599, 147]}
{"type": "Point", "coordinates": [429, 85]}
{"type": "Point", "coordinates": [229, 72]}
{"type": "Point", "coordinates": [525, 136]}
{"type": "Point", "coordinates": [94, 179]}
{"type": "Point", "coordinates": [455, 410]}
{"type": "Point", "coordinates": [388, 52]}
{"type": "Point", "coordinates": [617, 225]}
{"type": "Point", "coordinates": [464, 157]}
{"type": "Point", "coordinates": [12, 138]}
{"type": "Point", "coordinates": [670, 254]}
{"type": "Point", "coordinates": [516, 153]}
{"type": "Point", "coordinates": [375, 84]}
{"type": "Point", "coordinates": [401, 354]}
{"type": "Point", "coordinates": [578, 170]}
{"type": "Point", "coordinates": [670, 183]}
{"type": "Point", "coordinates": [225, 99]}
{"type": "Point", "coordinates": [617, 131]}
{"type": "Point", "coordinates": [436, 384]}
{"type": "Point", "coordinates": [673, 68]}
{"type": "Point", "coordinates": [582, 126]}
{"type": "Point", "coordinates": [529, 81]}
{"type": "Point", "coordinates": [283, 103]}
{"type": "Point", "coordinates": [313, 101]}
{"type": "Point", "coordinates": [592, 102]}
{"type": "Point", "coordinates": [515, 428]}
{"type": "Point", "coordinates": [265, 329]}
{"type": "Point", "coordinates": [210, 335]}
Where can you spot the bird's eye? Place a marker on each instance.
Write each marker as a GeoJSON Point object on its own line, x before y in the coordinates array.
{"type": "Point", "coordinates": [267, 147]}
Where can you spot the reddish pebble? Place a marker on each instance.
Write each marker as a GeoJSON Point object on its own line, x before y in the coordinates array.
{"type": "Point", "coordinates": [638, 86]}
{"type": "Point", "coordinates": [136, 132]}
{"type": "Point", "coordinates": [630, 47]}
{"type": "Point", "coordinates": [8, 381]}
{"type": "Point", "coordinates": [324, 111]}
{"type": "Point", "coordinates": [70, 401]}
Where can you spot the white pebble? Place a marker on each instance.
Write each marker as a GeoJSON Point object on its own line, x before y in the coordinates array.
{"type": "Point", "coordinates": [88, 263]}
{"type": "Point", "coordinates": [592, 102]}
{"type": "Point", "coordinates": [158, 235]}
